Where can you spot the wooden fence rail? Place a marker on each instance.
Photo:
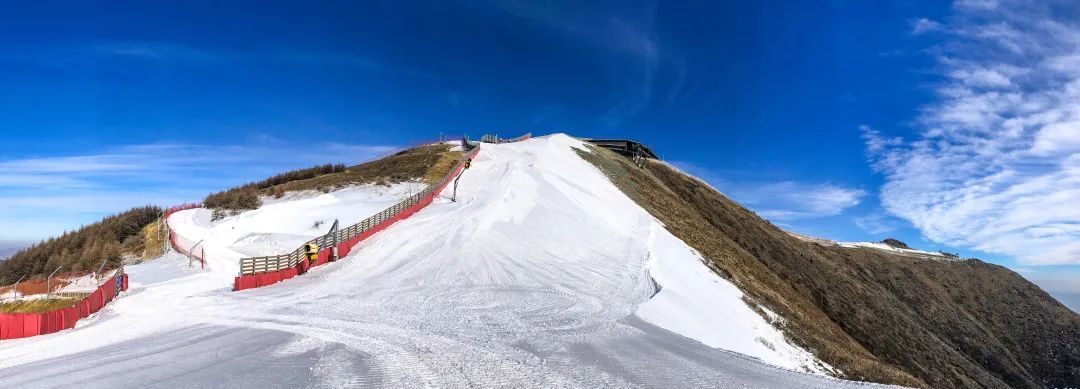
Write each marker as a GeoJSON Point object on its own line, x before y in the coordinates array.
{"type": "Point", "coordinates": [271, 263]}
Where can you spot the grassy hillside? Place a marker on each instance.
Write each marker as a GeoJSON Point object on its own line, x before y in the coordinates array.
{"type": "Point", "coordinates": [413, 164]}
{"type": "Point", "coordinates": [138, 233]}
{"type": "Point", "coordinates": [875, 316]}
{"type": "Point", "coordinates": [110, 239]}
{"type": "Point", "coordinates": [40, 305]}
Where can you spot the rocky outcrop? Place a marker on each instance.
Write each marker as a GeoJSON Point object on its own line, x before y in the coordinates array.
{"type": "Point", "coordinates": [896, 243]}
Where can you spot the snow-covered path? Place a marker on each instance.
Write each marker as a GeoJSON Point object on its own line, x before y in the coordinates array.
{"type": "Point", "coordinates": [541, 275]}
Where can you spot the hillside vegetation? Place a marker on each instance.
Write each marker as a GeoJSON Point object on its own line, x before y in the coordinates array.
{"type": "Point", "coordinates": [411, 164]}
{"type": "Point", "coordinates": [875, 316]}
{"type": "Point", "coordinates": [111, 239]}
{"type": "Point", "coordinates": [138, 233]}
{"type": "Point", "coordinates": [247, 196]}
{"type": "Point", "coordinates": [40, 305]}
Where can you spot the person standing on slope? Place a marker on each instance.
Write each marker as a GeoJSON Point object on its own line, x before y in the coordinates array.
{"type": "Point", "coordinates": [312, 250]}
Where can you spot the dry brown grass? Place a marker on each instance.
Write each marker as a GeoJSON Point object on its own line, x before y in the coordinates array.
{"type": "Point", "coordinates": [417, 163]}
{"type": "Point", "coordinates": [437, 171]}
{"type": "Point", "coordinates": [808, 327]}
{"type": "Point", "coordinates": [39, 305]}
{"type": "Point", "coordinates": [153, 240]}
{"type": "Point", "coordinates": [412, 164]}
{"type": "Point", "coordinates": [875, 316]}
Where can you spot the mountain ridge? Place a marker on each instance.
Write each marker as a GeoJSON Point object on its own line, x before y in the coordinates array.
{"type": "Point", "coordinates": [874, 315]}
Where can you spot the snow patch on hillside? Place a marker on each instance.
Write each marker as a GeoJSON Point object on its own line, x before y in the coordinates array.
{"type": "Point", "coordinates": [896, 250]}
{"type": "Point", "coordinates": [281, 225]}
{"type": "Point", "coordinates": [875, 246]}
{"type": "Point", "coordinates": [696, 303]}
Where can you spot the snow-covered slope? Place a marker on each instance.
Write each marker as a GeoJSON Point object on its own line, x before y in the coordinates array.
{"type": "Point", "coordinates": [542, 274]}
{"type": "Point", "coordinates": [896, 250]}
{"type": "Point", "coordinates": [282, 225]}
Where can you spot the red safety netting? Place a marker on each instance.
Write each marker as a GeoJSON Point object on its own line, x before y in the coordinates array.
{"type": "Point", "coordinates": [22, 325]}
{"type": "Point", "coordinates": [42, 285]}
{"type": "Point", "coordinates": [250, 281]}
{"type": "Point", "coordinates": [183, 245]}
{"type": "Point", "coordinates": [182, 207]}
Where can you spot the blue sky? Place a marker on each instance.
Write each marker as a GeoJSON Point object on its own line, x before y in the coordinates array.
{"type": "Point", "coordinates": [951, 126]}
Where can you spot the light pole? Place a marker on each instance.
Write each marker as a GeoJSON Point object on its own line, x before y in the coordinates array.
{"type": "Point", "coordinates": [468, 162]}
{"type": "Point", "coordinates": [48, 283]}
{"type": "Point", "coordinates": [97, 275]}
{"type": "Point", "coordinates": [15, 289]}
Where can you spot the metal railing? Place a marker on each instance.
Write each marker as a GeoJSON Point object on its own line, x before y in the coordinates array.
{"type": "Point", "coordinates": [487, 138]}
{"type": "Point", "coordinates": [270, 263]}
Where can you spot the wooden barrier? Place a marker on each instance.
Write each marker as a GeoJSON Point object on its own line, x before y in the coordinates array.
{"type": "Point", "coordinates": [261, 271]}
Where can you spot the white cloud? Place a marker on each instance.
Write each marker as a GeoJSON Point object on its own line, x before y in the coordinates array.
{"type": "Point", "coordinates": [780, 201]}
{"type": "Point", "coordinates": [1061, 137]}
{"type": "Point", "coordinates": [44, 196]}
{"type": "Point", "coordinates": [924, 25]}
{"type": "Point", "coordinates": [700, 172]}
{"type": "Point", "coordinates": [876, 223]}
{"type": "Point", "coordinates": [976, 4]}
{"type": "Point", "coordinates": [875, 142]}
{"type": "Point", "coordinates": [789, 200]}
{"type": "Point", "coordinates": [997, 164]}
{"type": "Point", "coordinates": [91, 54]}
{"type": "Point", "coordinates": [981, 78]}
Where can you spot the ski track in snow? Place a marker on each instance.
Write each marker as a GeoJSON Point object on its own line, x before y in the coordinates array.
{"type": "Point", "coordinates": [540, 275]}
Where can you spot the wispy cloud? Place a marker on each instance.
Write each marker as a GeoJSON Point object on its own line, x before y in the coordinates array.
{"type": "Point", "coordinates": [997, 164]}
{"type": "Point", "coordinates": [876, 223]}
{"type": "Point", "coordinates": [700, 172]}
{"type": "Point", "coordinates": [151, 51]}
{"type": "Point", "coordinates": [785, 201]}
{"type": "Point", "coordinates": [780, 201]}
{"type": "Point", "coordinates": [82, 54]}
{"type": "Point", "coordinates": [924, 25]}
{"type": "Point", "coordinates": [43, 196]}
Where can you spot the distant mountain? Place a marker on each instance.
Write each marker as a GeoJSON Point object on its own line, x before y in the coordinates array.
{"type": "Point", "coordinates": [9, 248]}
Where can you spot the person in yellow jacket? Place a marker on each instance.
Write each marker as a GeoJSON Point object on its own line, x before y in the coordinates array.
{"type": "Point", "coordinates": [312, 250]}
